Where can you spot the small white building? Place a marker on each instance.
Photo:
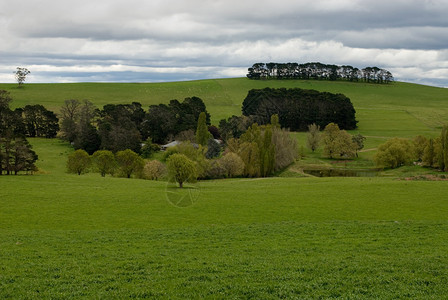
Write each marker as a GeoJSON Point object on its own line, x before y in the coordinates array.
{"type": "Point", "coordinates": [169, 145]}
{"type": "Point", "coordinates": [175, 143]}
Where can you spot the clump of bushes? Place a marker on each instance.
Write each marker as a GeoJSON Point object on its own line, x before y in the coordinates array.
{"type": "Point", "coordinates": [394, 153]}
{"type": "Point", "coordinates": [153, 170]}
{"type": "Point", "coordinates": [432, 152]}
{"type": "Point", "coordinates": [124, 163]}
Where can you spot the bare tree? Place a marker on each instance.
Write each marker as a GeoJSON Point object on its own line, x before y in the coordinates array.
{"type": "Point", "coordinates": [70, 112]}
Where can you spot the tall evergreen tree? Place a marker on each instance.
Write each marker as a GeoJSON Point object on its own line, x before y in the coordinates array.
{"type": "Point", "coordinates": [87, 136]}
{"type": "Point", "coordinates": [202, 134]}
{"type": "Point", "coordinates": [22, 156]}
{"type": "Point", "coordinates": [39, 122]}
{"type": "Point", "coordinates": [267, 153]}
{"type": "Point", "coordinates": [5, 112]}
{"type": "Point", "coordinates": [15, 152]}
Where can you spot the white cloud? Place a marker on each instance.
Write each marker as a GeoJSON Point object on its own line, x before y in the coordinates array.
{"type": "Point", "coordinates": [83, 40]}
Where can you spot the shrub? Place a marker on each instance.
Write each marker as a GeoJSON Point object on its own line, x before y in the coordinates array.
{"type": "Point", "coordinates": [186, 135]}
{"type": "Point", "coordinates": [216, 169]}
{"type": "Point", "coordinates": [149, 148]}
{"type": "Point", "coordinates": [214, 131]}
{"type": "Point", "coordinates": [232, 164]}
{"type": "Point", "coordinates": [313, 137]}
{"type": "Point", "coordinates": [394, 153]}
{"type": "Point", "coordinates": [213, 149]}
{"type": "Point", "coordinates": [153, 170]}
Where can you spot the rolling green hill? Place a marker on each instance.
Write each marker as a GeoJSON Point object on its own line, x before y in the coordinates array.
{"type": "Point", "coordinates": [398, 109]}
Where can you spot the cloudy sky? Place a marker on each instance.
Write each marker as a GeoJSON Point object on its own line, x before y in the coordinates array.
{"type": "Point", "coordinates": [168, 40]}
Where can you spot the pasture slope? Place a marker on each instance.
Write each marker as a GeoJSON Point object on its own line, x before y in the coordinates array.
{"type": "Point", "coordinates": [69, 236]}
{"type": "Point", "coordinates": [395, 109]}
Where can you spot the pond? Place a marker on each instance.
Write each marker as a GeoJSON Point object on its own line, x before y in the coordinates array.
{"type": "Point", "coordinates": [342, 172]}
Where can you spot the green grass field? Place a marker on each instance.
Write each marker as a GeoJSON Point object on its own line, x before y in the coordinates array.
{"type": "Point", "coordinates": [68, 236]}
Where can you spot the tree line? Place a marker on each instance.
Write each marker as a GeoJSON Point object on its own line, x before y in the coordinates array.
{"type": "Point", "coordinates": [253, 144]}
{"type": "Point", "coordinates": [16, 154]}
{"type": "Point", "coordinates": [117, 127]}
{"type": "Point", "coordinates": [428, 152]}
{"type": "Point", "coordinates": [298, 108]}
{"type": "Point", "coordinates": [394, 153]}
{"type": "Point", "coordinates": [318, 71]}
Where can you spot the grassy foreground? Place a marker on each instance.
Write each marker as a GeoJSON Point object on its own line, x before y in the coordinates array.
{"type": "Point", "coordinates": [69, 236]}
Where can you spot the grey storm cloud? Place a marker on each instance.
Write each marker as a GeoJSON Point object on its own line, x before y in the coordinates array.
{"type": "Point", "coordinates": [177, 40]}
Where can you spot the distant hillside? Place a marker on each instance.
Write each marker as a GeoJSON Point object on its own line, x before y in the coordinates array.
{"type": "Point", "coordinates": [397, 109]}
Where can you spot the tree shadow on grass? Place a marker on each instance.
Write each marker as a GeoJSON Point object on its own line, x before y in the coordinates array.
{"type": "Point", "coordinates": [182, 197]}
